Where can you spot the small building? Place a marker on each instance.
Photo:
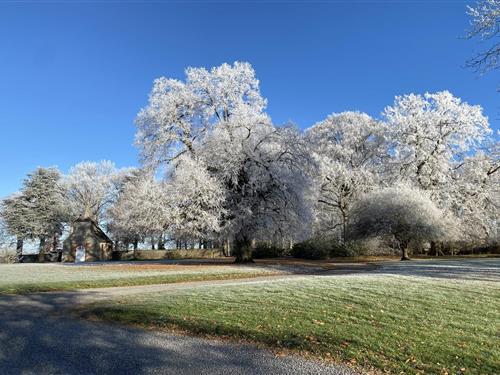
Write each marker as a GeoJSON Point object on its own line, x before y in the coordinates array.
{"type": "Point", "coordinates": [86, 243]}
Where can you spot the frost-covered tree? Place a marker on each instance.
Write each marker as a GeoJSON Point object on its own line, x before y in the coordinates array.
{"type": "Point", "coordinates": [404, 213]}
{"type": "Point", "coordinates": [349, 148]}
{"type": "Point", "coordinates": [141, 210]}
{"type": "Point", "coordinates": [485, 25]}
{"type": "Point", "coordinates": [262, 169]}
{"type": "Point", "coordinates": [91, 188]}
{"type": "Point", "coordinates": [217, 119]}
{"type": "Point", "coordinates": [195, 201]}
{"type": "Point", "coordinates": [430, 133]}
{"type": "Point", "coordinates": [37, 212]}
{"type": "Point", "coordinates": [431, 137]}
{"type": "Point", "coordinates": [476, 195]}
{"type": "Point", "coordinates": [180, 114]}
{"type": "Point", "coordinates": [6, 239]}
{"type": "Point", "coordinates": [15, 219]}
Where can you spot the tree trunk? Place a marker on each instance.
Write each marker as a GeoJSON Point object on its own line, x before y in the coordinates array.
{"type": "Point", "coordinates": [243, 250]}
{"type": "Point", "coordinates": [404, 251]}
{"type": "Point", "coordinates": [19, 248]}
{"type": "Point", "coordinates": [344, 228]}
{"type": "Point", "coordinates": [433, 250]}
{"type": "Point", "coordinates": [161, 242]}
{"type": "Point", "coordinates": [226, 247]}
{"type": "Point", "coordinates": [135, 244]}
{"type": "Point", "coordinates": [55, 242]}
{"type": "Point", "coordinates": [41, 250]}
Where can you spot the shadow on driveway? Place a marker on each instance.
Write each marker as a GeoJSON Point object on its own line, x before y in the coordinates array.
{"type": "Point", "coordinates": [36, 337]}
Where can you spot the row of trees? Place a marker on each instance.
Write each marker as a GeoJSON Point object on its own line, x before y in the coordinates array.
{"type": "Point", "coordinates": [215, 168]}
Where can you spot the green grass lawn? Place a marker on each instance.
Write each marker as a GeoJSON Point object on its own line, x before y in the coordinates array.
{"type": "Point", "coordinates": [393, 323]}
{"type": "Point", "coordinates": [29, 278]}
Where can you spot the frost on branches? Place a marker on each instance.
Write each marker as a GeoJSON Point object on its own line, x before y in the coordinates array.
{"type": "Point", "coordinates": [485, 25]}
{"type": "Point", "coordinates": [216, 169]}
{"type": "Point", "coordinates": [406, 214]}
{"type": "Point", "coordinates": [141, 210]}
{"type": "Point", "coordinates": [432, 138]}
{"type": "Point", "coordinates": [195, 201]}
{"type": "Point", "coordinates": [92, 187]}
{"type": "Point", "coordinates": [216, 119]}
{"type": "Point", "coordinates": [349, 148]}
{"type": "Point", "coordinates": [430, 133]}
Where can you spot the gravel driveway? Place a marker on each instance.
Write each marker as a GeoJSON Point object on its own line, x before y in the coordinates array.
{"type": "Point", "coordinates": [34, 341]}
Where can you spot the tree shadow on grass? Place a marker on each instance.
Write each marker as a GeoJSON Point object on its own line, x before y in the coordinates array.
{"type": "Point", "coordinates": [37, 336]}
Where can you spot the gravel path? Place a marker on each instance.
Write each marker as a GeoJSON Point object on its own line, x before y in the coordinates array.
{"type": "Point", "coordinates": [482, 269]}
{"type": "Point", "coordinates": [34, 341]}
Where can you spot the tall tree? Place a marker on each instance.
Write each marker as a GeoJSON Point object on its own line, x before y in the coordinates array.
{"type": "Point", "coordinates": [141, 210]}
{"type": "Point", "coordinates": [91, 188]}
{"type": "Point", "coordinates": [37, 212]}
{"type": "Point", "coordinates": [432, 135]}
{"type": "Point", "coordinates": [349, 148]}
{"type": "Point", "coordinates": [15, 219]}
{"type": "Point", "coordinates": [475, 194]}
{"type": "Point", "coordinates": [217, 119]}
{"type": "Point", "coordinates": [264, 172]}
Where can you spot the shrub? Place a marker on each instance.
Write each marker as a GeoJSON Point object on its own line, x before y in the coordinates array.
{"type": "Point", "coordinates": [323, 248]}
{"type": "Point", "coordinates": [8, 256]}
{"type": "Point", "coordinates": [263, 250]}
{"type": "Point", "coordinates": [313, 248]}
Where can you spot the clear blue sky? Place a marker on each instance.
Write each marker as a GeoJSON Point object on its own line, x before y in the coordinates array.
{"type": "Point", "coordinates": [73, 75]}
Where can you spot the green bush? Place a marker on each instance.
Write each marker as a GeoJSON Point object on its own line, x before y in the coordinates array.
{"type": "Point", "coordinates": [323, 248]}
{"type": "Point", "coordinates": [312, 249]}
{"type": "Point", "coordinates": [267, 251]}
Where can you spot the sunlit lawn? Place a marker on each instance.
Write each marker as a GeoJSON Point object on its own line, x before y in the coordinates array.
{"type": "Point", "coordinates": [26, 278]}
{"type": "Point", "coordinates": [394, 323]}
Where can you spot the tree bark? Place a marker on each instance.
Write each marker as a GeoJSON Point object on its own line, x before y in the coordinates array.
{"type": "Point", "coordinates": [404, 252]}
{"type": "Point", "coordinates": [243, 250]}
{"type": "Point", "coordinates": [41, 250]}
{"type": "Point", "coordinates": [161, 242]}
{"type": "Point", "coordinates": [19, 249]}
{"type": "Point", "coordinates": [226, 247]}
{"type": "Point", "coordinates": [136, 246]}
{"type": "Point", "coordinates": [344, 227]}
{"type": "Point", "coordinates": [433, 250]}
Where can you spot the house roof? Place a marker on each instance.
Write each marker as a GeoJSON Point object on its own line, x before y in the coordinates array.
{"type": "Point", "coordinates": [98, 231]}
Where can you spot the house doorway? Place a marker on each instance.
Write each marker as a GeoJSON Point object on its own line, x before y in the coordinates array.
{"type": "Point", "coordinates": [80, 254]}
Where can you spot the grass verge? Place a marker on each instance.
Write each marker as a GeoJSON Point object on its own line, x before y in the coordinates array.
{"type": "Point", "coordinates": [394, 323]}
{"type": "Point", "coordinates": [21, 279]}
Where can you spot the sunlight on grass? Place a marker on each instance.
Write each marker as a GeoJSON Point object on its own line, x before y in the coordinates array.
{"type": "Point", "coordinates": [28, 278]}
{"type": "Point", "coordinates": [394, 323]}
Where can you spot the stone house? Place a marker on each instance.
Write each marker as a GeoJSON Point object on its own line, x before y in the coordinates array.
{"type": "Point", "coordinates": [86, 243]}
